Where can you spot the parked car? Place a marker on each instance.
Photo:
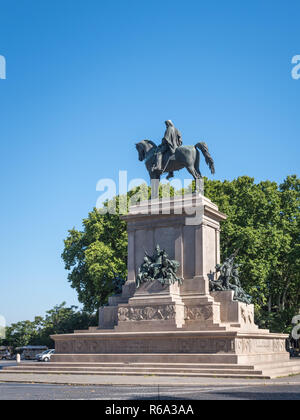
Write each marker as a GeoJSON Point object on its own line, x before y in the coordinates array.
{"type": "Point", "coordinates": [45, 356]}
{"type": "Point", "coordinates": [30, 352]}
{"type": "Point", "coordinates": [4, 353]}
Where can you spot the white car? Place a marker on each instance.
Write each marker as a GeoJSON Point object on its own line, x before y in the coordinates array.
{"type": "Point", "coordinates": [45, 356]}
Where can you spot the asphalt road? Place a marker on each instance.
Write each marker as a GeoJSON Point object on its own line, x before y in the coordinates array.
{"type": "Point", "coordinates": [14, 391]}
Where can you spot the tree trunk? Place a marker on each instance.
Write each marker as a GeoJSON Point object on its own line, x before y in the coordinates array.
{"type": "Point", "coordinates": [270, 304]}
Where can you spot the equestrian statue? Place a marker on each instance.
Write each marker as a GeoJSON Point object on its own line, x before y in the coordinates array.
{"type": "Point", "coordinates": [172, 156]}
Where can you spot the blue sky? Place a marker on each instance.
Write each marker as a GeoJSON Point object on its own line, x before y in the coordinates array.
{"type": "Point", "coordinates": [86, 79]}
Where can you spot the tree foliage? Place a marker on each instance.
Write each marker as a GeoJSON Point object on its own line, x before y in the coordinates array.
{"type": "Point", "coordinates": [98, 253]}
{"type": "Point", "coordinates": [94, 256]}
{"type": "Point", "coordinates": [59, 320]}
{"type": "Point", "coordinates": [263, 222]}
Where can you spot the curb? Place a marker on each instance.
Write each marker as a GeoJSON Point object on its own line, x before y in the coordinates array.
{"type": "Point", "coordinates": [149, 384]}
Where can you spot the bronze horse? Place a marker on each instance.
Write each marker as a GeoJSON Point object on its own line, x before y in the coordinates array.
{"type": "Point", "coordinates": [184, 157]}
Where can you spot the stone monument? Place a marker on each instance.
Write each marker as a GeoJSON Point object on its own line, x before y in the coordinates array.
{"type": "Point", "coordinates": [175, 315]}
{"type": "Point", "coordinates": [180, 322]}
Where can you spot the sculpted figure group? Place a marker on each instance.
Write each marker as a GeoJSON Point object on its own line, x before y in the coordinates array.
{"type": "Point", "coordinates": [229, 279]}
{"type": "Point", "coordinates": [158, 267]}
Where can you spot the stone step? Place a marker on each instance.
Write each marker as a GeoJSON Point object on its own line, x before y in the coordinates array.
{"type": "Point", "coordinates": [268, 369]}
{"type": "Point", "coordinates": [125, 370]}
{"type": "Point", "coordinates": [235, 374]}
{"type": "Point", "coordinates": [135, 365]}
{"type": "Point", "coordinates": [275, 364]}
{"type": "Point", "coordinates": [283, 371]}
{"type": "Point", "coordinates": [275, 369]}
{"type": "Point", "coordinates": [291, 367]}
{"type": "Point", "coordinates": [262, 370]}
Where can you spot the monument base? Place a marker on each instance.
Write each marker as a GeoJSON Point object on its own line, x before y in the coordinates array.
{"type": "Point", "coordinates": [177, 329]}
{"type": "Point", "coordinates": [158, 328]}
{"type": "Point", "coordinates": [223, 354]}
{"type": "Point", "coordinates": [220, 346]}
{"type": "Point", "coordinates": [173, 353]}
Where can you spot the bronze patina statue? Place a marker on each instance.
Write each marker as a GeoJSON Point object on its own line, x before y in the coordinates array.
{"type": "Point", "coordinates": [170, 142]}
{"type": "Point", "coordinates": [171, 156]}
{"type": "Point", "coordinates": [158, 267]}
{"type": "Point", "coordinates": [229, 279]}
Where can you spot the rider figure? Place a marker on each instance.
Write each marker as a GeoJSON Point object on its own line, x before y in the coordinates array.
{"type": "Point", "coordinates": [171, 140]}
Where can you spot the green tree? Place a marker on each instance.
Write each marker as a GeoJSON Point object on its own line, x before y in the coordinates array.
{"type": "Point", "coordinates": [22, 333]}
{"type": "Point", "coordinates": [98, 253]}
{"type": "Point", "coordinates": [59, 320]}
{"type": "Point", "coordinates": [63, 320]}
{"type": "Point", "coordinates": [263, 222]}
{"type": "Point", "coordinates": [94, 256]}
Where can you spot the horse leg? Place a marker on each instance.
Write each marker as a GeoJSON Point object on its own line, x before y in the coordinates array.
{"type": "Point", "coordinates": [195, 174]}
{"type": "Point", "coordinates": [155, 179]}
{"type": "Point", "coordinates": [197, 177]}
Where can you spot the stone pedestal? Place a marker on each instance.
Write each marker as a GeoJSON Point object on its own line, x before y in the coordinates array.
{"type": "Point", "coordinates": [186, 322]}
{"type": "Point", "coordinates": [152, 308]}
{"type": "Point", "coordinates": [188, 228]}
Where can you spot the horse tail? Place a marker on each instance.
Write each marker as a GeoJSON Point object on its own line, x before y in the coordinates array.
{"type": "Point", "coordinates": [208, 159]}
